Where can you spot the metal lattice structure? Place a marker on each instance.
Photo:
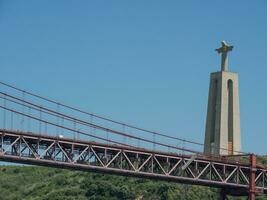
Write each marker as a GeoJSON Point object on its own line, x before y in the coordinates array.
{"type": "Point", "coordinates": [44, 150]}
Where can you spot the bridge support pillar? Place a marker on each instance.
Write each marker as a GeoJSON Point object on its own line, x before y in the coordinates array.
{"type": "Point", "coordinates": [252, 183]}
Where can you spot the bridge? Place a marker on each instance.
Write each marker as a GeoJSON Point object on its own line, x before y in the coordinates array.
{"type": "Point", "coordinates": [40, 131]}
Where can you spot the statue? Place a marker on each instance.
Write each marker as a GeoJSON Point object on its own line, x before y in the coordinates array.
{"type": "Point", "coordinates": [224, 50]}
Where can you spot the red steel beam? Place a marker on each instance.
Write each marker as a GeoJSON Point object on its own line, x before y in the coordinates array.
{"type": "Point", "coordinates": [252, 183]}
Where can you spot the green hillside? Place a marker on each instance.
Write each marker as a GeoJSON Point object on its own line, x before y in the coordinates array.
{"type": "Point", "coordinates": [42, 183]}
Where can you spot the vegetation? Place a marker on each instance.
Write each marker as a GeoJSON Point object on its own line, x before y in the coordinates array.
{"type": "Point", "coordinates": [42, 183]}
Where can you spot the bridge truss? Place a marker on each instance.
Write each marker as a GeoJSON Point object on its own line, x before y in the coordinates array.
{"type": "Point", "coordinates": [22, 147]}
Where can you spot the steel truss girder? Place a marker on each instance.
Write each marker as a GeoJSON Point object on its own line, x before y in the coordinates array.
{"type": "Point", "coordinates": [82, 155]}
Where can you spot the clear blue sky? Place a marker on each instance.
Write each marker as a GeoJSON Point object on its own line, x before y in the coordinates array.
{"type": "Point", "coordinates": [145, 63]}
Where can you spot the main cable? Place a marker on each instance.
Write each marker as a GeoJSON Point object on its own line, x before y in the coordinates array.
{"type": "Point", "coordinates": [98, 137]}
{"type": "Point", "coordinates": [101, 117]}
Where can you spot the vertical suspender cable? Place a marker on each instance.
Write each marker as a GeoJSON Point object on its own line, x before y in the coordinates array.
{"type": "Point", "coordinates": [45, 128]}
{"type": "Point", "coordinates": [4, 113]}
{"type": "Point", "coordinates": [62, 124]}
{"type": "Point", "coordinates": [40, 122]}
{"type": "Point", "coordinates": [29, 119]}
{"type": "Point", "coordinates": [154, 140]}
{"type": "Point", "coordinates": [57, 129]}
{"type": "Point", "coordinates": [124, 138]}
{"type": "Point", "coordinates": [11, 121]}
{"type": "Point", "coordinates": [23, 108]}
{"type": "Point", "coordinates": [74, 127]}
{"type": "Point", "coordinates": [107, 136]}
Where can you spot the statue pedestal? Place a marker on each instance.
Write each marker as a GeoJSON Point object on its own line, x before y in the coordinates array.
{"type": "Point", "coordinates": [223, 117]}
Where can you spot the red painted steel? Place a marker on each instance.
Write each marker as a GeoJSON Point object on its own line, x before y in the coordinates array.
{"type": "Point", "coordinates": [252, 182]}
{"type": "Point", "coordinates": [59, 152]}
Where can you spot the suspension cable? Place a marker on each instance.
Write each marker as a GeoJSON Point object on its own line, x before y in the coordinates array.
{"type": "Point", "coordinates": [100, 117]}
{"type": "Point", "coordinates": [106, 119]}
{"type": "Point", "coordinates": [98, 137]}
{"type": "Point", "coordinates": [56, 114]}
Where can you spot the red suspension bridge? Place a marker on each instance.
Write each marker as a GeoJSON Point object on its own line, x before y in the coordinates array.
{"type": "Point", "coordinates": [40, 131]}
